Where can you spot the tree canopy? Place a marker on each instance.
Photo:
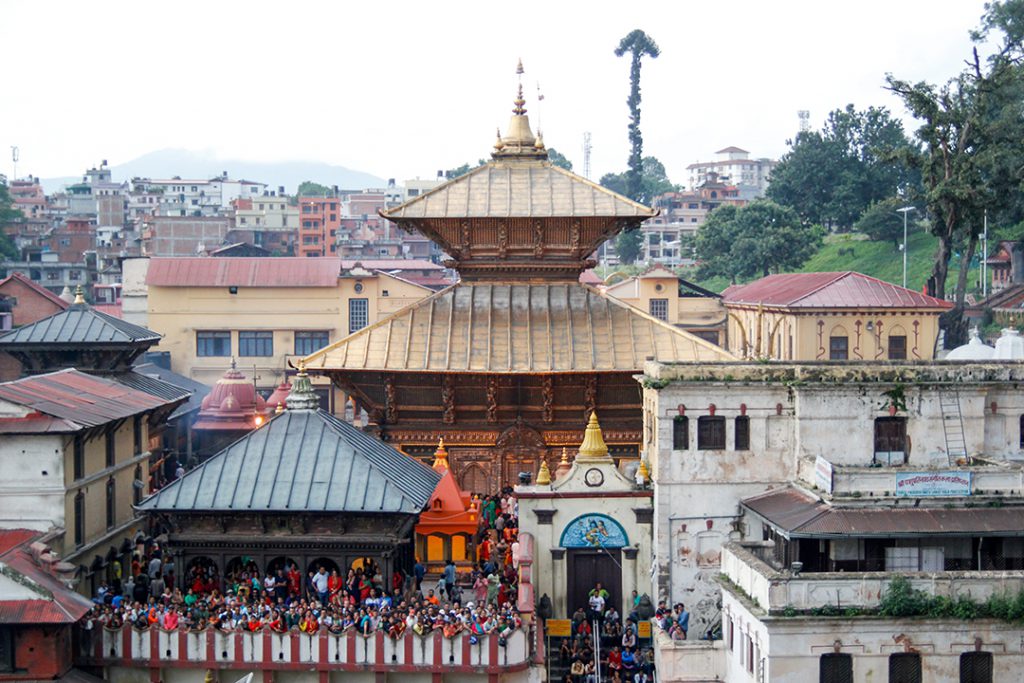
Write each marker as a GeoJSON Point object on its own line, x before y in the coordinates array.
{"type": "Point", "coordinates": [308, 188]}
{"type": "Point", "coordinates": [830, 177]}
{"type": "Point", "coordinates": [8, 215]}
{"type": "Point", "coordinates": [744, 242]}
{"type": "Point", "coordinates": [559, 159]}
{"type": "Point", "coordinates": [970, 157]}
{"type": "Point", "coordinates": [882, 222]}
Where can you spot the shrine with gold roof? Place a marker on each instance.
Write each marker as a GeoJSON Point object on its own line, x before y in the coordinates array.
{"type": "Point", "coordinates": [507, 364]}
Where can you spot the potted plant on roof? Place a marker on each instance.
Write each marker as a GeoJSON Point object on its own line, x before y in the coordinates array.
{"type": "Point", "coordinates": [895, 400]}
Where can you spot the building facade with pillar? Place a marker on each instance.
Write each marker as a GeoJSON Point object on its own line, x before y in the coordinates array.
{"type": "Point", "coordinates": [590, 524]}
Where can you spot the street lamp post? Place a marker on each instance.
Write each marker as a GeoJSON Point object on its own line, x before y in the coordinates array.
{"type": "Point", "coordinates": [905, 210]}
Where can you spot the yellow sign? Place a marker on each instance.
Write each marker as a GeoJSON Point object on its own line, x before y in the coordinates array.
{"type": "Point", "coordinates": [643, 629]}
{"type": "Point", "coordinates": [559, 627]}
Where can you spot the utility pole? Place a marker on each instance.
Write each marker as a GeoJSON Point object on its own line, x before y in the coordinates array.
{"type": "Point", "coordinates": [586, 154]}
{"type": "Point", "coordinates": [905, 210]}
{"type": "Point", "coordinates": [984, 258]}
{"type": "Point", "coordinates": [14, 158]}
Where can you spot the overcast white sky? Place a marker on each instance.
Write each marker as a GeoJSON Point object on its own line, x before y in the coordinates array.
{"type": "Point", "coordinates": [401, 89]}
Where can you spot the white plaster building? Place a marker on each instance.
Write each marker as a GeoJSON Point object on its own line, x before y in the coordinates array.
{"type": "Point", "coordinates": [184, 197]}
{"type": "Point", "coordinates": [592, 523]}
{"type": "Point", "coordinates": [810, 487]}
{"type": "Point", "coordinates": [734, 166]}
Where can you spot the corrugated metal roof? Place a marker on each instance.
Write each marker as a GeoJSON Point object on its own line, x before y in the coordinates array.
{"type": "Point", "coordinates": [302, 461]}
{"type": "Point", "coordinates": [77, 399]}
{"type": "Point", "coordinates": [534, 189]}
{"type": "Point", "coordinates": [505, 327]}
{"type": "Point", "coordinates": [801, 516]}
{"type": "Point", "coordinates": [79, 324]}
{"type": "Point", "coordinates": [12, 538]}
{"type": "Point", "coordinates": [266, 271]}
{"type": "Point", "coordinates": [56, 603]}
{"type": "Point", "coordinates": [829, 290]}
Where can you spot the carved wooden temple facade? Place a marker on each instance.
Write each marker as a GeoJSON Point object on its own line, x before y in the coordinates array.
{"type": "Point", "coordinates": [508, 364]}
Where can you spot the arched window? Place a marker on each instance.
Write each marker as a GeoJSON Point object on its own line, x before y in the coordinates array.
{"type": "Point", "coordinates": [111, 503]}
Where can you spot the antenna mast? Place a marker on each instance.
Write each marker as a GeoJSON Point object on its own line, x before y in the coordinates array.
{"type": "Point", "coordinates": [805, 120]}
{"type": "Point", "coordinates": [586, 154]}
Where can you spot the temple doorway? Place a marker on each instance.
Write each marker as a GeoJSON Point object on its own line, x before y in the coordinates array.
{"type": "Point", "coordinates": [586, 568]}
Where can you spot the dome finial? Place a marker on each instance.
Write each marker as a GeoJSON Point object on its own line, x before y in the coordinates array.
{"type": "Point", "coordinates": [440, 456]}
{"type": "Point", "coordinates": [593, 447]}
{"type": "Point", "coordinates": [79, 295]}
{"type": "Point", "coordinates": [302, 396]}
{"type": "Point", "coordinates": [544, 475]}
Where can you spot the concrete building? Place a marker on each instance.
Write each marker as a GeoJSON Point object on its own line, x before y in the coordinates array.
{"type": "Point", "coordinates": [271, 221]}
{"type": "Point", "coordinates": [831, 316]}
{"type": "Point", "coordinates": [189, 235]}
{"type": "Point", "coordinates": [734, 165]}
{"type": "Point", "coordinates": [211, 197]}
{"type": "Point", "coordinates": [810, 487]}
{"type": "Point", "coordinates": [266, 312]}
{"type": "Point", "coordinates": [319, 220]}
{"type": "Point", "coordinates": [668, 297]}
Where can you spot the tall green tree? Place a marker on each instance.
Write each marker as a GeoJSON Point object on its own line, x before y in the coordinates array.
{"type": "Point", "coordinates": [971, 159]}
{"type": "Point", "coordinates": [8, 215]}
{"type": "Point", "coordinates": [639, 45]}
{"type": "Point", "coordinates": [459, 171]}
{"type": "Point", "coordinates": [758, 239]}
{"type": "Point", "coordinates": [830, 177]}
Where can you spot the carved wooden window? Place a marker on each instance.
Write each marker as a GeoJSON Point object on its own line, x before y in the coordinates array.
{"type": "Point", "coordinates": [835, 667]}
{"type": "Point", "coordinates": [897, 347]}
{"type": "Point", "coordinates": [838, 348]}
{"type": "Point", "coordinates": [659, 308]}
{"type": "Point", "coordinates": [711, 433]}
{"type": "Point", "coordinates": [680, 433]}
{"type": "Point", "coordinates": [904, 667]}
{"type": "Point", "coordinates": [976, 667]}
{"type": "Point", "coordinates": [742, 436]}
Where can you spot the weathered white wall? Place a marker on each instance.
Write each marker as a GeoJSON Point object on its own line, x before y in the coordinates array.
{"type": "Point", "coordinates": [32, 481]}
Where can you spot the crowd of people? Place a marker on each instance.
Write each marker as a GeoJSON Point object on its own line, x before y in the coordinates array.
{"type": "Point", "coordinates": [621, 658]}
{"type": "Point", "coordinates": [478, 602]}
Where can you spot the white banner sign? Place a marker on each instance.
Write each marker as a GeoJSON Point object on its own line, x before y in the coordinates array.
{"type": "Point", "coordinates": [921, 484]}
{"type": "Point", "coordinates": [823, 474]}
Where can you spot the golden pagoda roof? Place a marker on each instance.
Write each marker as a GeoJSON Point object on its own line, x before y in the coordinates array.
{"type": "Point", "coordinates": [513, 187]}
{"type": "Point", "coordinates": [506, 327]}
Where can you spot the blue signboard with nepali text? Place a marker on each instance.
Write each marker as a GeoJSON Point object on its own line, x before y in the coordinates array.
{"type": "Point", "coordinates": [923, 484]}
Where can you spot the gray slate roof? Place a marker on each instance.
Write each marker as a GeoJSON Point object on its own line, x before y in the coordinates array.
{"type": "Point", "coordinates": [79, 324]}
{"type": "Point", "coordinates": [302, 461]}
{"type": "Point", "coordinates": [172, 383]}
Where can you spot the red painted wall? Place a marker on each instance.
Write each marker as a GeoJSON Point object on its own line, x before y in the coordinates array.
{"type": "Point", "coordinates": [40, 653]}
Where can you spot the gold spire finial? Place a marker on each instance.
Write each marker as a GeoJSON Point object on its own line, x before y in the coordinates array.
{"type": "Point", "coordinates": [519, 109]}
{"type": "Point", "coordinates": [79, 295]}
{"type": "Point", "coordinates": [643, 472]}
{"type": "Point", "coordinates": [519, 67]}
{"type": "Point", "coordinates": [544, 475]}
{"type": "Point", "coordinates": [540, 140]}
{"type": "Point", "coordinates": [498, 144]}
{"type": "Point", "coordinates": [440, 456]}
{"type": "Point", "coordinates": [563, 465]}
{"type": "Point", "coordinates": [593, 446]}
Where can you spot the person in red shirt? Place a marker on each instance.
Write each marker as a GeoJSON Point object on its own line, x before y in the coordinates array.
{"type": "Point", "coordinates": [294, 581]}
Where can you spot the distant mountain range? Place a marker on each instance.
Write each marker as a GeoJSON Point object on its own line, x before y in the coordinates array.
{"type": "Point", "coordinates": [195, 165]}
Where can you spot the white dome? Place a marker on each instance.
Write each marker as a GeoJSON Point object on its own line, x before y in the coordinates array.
{"type": "Point", "coordinates": [975, 349]}
{"type": "Point", "coordinates": [1009, 346]}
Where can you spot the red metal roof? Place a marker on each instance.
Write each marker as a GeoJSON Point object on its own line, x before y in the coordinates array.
{"type": "Point", "coordinates": [74, 400]}
{"type": "Point", "coordinates": [266, 271]}
{"type": "Point", "coordinates": [12, 538]}
{"type": "Point", "coordinates": [847, 289]}
{"type": "Point", "coordinates": [56, 604]}
{"type": "Point", "coordinates": [39, 611]}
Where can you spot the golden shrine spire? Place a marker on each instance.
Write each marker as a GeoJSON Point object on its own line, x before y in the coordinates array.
{"type": "Point", "coordinates": [519, 141]}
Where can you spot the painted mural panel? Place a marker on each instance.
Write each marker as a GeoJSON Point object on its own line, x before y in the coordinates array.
{"type": "Point", "coordinates": [594, 531]}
